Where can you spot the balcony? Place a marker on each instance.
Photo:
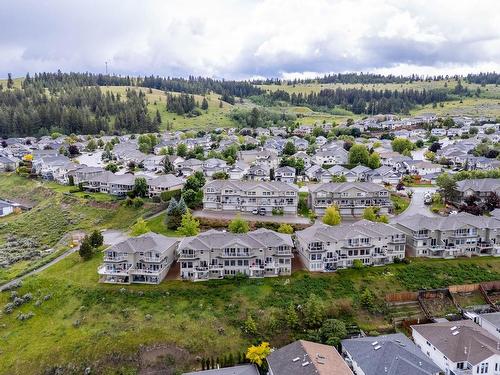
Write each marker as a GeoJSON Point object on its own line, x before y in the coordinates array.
{"type": "Point", "coordinates": [216, 267]}
{"type": "Point", "coordinates": [145, 271]}
{"type": "Point", "coordinates": [421, 236]}
{"type": "Point", "coordinates": [152, 259]}
{"type": "Point", "coordinates": [356, 245]}
{"type": "Point", "coordinates": [103, 270]}
{"type": "Point", "coordinates": [237, 255]}
{"type": "Point", "coordinates": [485, 245]}
{"type": "Point", "coordinates": [257, 267]}
{"type": "Point", "coordinates": [397, 240]}
{"type": "Point", "coordinates": [284, 253]}
{"type": "Point", "coordinates": [187, 255]}
{"type": "Point", "coordinates": [118, 258]}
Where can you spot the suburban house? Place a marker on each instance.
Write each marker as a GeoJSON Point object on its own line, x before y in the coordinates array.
{"type": "Point", "coordinates": [488, 321]}
{"type": "Point", "coordinates": [285, 174]}
{"type": "Point", "coordinates": [317, 173]}
{"type": "Point", "coordinates": [481, 188]}
{"type": "Point", "coordinates": [459, 347]}
{"type": "Point", "coordinates": [451, 236]}
{"type": "Point", "coordinates": [358, 173]}
{"type": "Point", "coordinates": [307, 358]}
{"type": "Point", "coordinates": [238, 170]}
{"type": "Point", "coordinates": [214, 165]}
{"type": "Point", "coordinates": [422, 168]}
{"type": "Point", "coordinates": [190, 166]}
{"type": "Point", "coordinates": [8, 164]}
{"type": "Point", "coordinates": [258, 172]}
{"type": "Point", "coordinates": [383, 175]}
{"type": "Point", "coordinates": [145, 259]}
{"type": "Point", "coordinates": [325, 248]}
{"type": "Point", "coordinates": [85, 173]}
{"type": "Point", "coordinates": [350, 197]}
{"type": "Point", "coordinates": [337, 155]}
{"type": "Point", "coordinates": [215, 254]}
{"type": "Point", "coordinates": [393, 354]}
{"type": "Point", "coordinates": [154, 163]}
{"type": "Point", "coordinates": [6, 208]}
{"type": "Point", "coordinates": [246, 196]}
{"type": "Point", "coordinates": [167, 182]}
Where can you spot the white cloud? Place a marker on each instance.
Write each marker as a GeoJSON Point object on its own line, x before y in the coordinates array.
{"type": "Point", "coordinates": [244, 38]}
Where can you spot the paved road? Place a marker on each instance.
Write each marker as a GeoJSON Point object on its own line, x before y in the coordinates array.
{"type": "Point", "coordinates": [111, 237]}
{"type": "Point", "coordinates": [251, 217]}
{"type": "Point", "coordinates": [417, 205]}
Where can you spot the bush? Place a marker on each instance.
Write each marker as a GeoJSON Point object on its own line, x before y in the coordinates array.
{"type": "Point", "coordinates": [165, 196]}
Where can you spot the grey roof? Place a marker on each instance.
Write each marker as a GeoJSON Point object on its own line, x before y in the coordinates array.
{"type": "Point", "coordinates": [146, 242]}
{"type": "Point", "coordinates": [235, 370]}
{"type": "Point", "coordinates": [251, 185]}
{"type": "Point", "coordinates": [396, 354]}
{"type": "Point", "coordinates": [452, 222]}
{"type": "Point", "coordinates": [492, 318]}
{"type": "Point", "coordinates": [307, 358]}
{"type": "Point", "coordinates": [166, 180]}
{"type": "Point", "coordinates": [339, 187]}
{"type": "Point", "coordinates": [480, 185]}
{"type": "Point", "coordinates": [257, 239]}
{"type": "Point", "coordinates": [365, 228]}
{"type": "Point", "coordinates": [479, 343]}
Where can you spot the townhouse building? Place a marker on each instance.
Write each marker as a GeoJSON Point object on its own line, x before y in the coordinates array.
{"type": "Point", "coordinates": [145, 259]}
{"type": "Point", "coordinates": [215, 254]}
{"type": "Point", "coordinates": [481, 188]}
{"type": "Point", "coordinates": [325, 248]}
{"type": "Point", "coordinates": [459, 347]}
{"type": "Point", "coordinates": [462, 234]}
{"type": "Point", "coordinates": [246, 196]}
{"type": "Point", "coordinates": [350, 197]}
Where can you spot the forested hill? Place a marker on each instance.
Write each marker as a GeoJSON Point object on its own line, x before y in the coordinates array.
{"type": "Point", "coordinates": [39, 108]}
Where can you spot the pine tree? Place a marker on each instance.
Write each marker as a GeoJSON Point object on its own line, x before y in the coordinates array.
{"type": "Point", "coordinates": [86, 251]}
{"type": "Point", "coordinates": [204, 104]}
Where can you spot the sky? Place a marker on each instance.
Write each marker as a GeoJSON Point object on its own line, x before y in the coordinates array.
{"type": "Point", "coordinates": [244, 39]}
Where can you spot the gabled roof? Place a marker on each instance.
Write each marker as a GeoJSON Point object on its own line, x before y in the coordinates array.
{"type": "Point", "coordinates": [257, 239]}
{"type": "Point", "coordinates": [452, 222]}
{"type": "Point", "coordinates": [146, 242]}
{"type": "Point", "coordinates": [480, 185]}
{"type": "Point", "coordinates": [277, 186]}
{"type": "Point", "coordinates": [472, 343]}
{"type": "Point", "coordinates": [389, 355]}
{"type": "Point", "coordinates": [339, 187]}
{"type": "Point", "coordinates": [307, 358]}
{"type": "Point", "coordinates": [362, 228]}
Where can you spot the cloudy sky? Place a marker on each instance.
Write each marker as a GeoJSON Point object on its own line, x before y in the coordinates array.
{"type": "Point", "coordinates": [242, 39]}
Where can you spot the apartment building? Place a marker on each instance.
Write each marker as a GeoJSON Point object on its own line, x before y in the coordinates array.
{"type": "Point", "coordinates": [246, 196]}
{"type": "Point", "coordinates": [325, 248]}
{"type": "Point", "coordinates": [215, 254]}
{"type": "Point", "coordinates": [145, 259]}
{"type": "Point", "coordinates": [350, 197]}
{"type": "Point", "coordinates": [459, 347]}
{"type": "Point", "coordinates": [451, 236]}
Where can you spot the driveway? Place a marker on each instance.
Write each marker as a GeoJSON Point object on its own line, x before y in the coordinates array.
{"type": "Point", "coordinates": [113, 236]}
{"type": "Point", "coordinates": [221, 215]}
{"type": "Point", "coordinates": [417, 205]}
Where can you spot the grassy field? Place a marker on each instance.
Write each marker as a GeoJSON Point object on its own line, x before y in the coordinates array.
{"type": "Point", "coordinates": [84, 323]}
{"type": "Point", "coordinates": [29, 238]}
{"type": "Point", "coordinates": [214, 117]}
{"type": "Point", "coordinates": [400, 203]}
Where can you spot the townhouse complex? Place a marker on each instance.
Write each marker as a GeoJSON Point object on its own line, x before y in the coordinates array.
{"type": "Point", "coordinates": [145, 259]}
{"type": "Point", "coordinates": [451, 236]}
{"type": "Point", "coordinates": [214, 254]}
{"type": "Point", "coordinates": [327, 248]}
{"type": "Point", "coordinates": [350, 197]}
{"type": "Point", "coordinates": [247, 196]}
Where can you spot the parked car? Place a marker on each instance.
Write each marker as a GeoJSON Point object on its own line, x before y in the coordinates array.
{"type": "Point", "coordinates": [255, 211]}
{"type": "Point", "coordinates": [262, 211]}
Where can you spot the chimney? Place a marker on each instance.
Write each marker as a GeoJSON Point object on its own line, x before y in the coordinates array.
{"type": "Point", "coordinates": [465, 350]}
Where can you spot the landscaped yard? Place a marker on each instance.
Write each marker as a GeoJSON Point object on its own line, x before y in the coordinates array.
{"type": "Point", "coordinates": [400, 203]}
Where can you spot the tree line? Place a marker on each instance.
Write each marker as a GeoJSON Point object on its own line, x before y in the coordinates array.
{"type": "Point", "coordinates": [190, 85]}
{"type": "Point", "coordinates": [67, 107]}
